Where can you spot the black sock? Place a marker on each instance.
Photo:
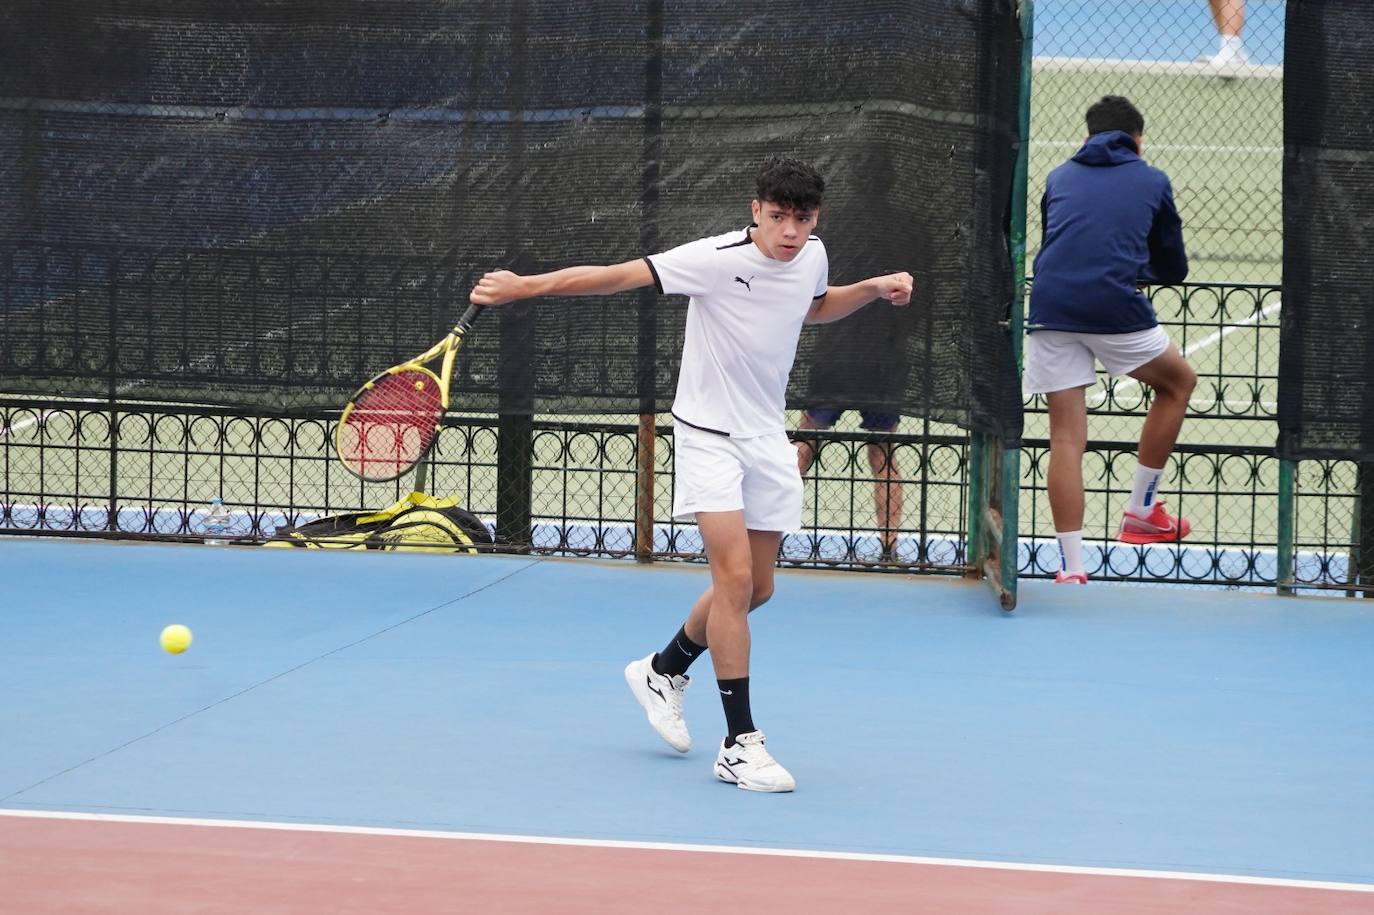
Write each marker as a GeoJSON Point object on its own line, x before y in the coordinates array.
{"type": "Point", "coordinates": [678, 656]}
{"type": "Point", "coordinates": [734, 695]}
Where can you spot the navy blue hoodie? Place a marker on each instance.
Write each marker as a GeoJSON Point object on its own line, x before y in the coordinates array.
{"type": "Point", "coordinates": [1110, 225]}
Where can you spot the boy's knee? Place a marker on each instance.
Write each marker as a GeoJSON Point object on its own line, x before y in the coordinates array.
{"type": "Point", "coordinates": [1189, 381]}
{"type": "Point", "coordinates": [761, 595]}
{"type": "Point", "coordinates": [1183, 385]}
{"type": "Point", "coordinates": [737, 582]}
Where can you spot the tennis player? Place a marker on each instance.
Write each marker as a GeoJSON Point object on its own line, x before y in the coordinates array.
{"type": "Point", "coordinates": [1110, 228]}
{"type": "Point", "coordinates": [735, 472]}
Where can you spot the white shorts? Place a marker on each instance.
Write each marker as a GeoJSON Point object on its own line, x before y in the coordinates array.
{"type": "Point", "coordinates": [719, 473]}
{"type": "Point", "coordinates": [1058, 360]}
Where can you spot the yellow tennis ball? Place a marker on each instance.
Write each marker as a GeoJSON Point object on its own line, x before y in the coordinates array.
{"type": "Point", "coordinates": [175, 639]}
{"type": "Point", "coordinates": [419, 385]}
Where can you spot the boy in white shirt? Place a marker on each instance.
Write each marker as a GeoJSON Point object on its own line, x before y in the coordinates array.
{"type": "Point", "coordinates": [735, 471]}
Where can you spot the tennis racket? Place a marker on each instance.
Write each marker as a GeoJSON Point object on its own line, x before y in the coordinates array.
{"type": "Point", "coordinates": [393, 421]}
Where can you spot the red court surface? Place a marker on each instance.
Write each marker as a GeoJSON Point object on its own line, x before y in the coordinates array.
{"type": "Point", "coordinates": [88, 865]}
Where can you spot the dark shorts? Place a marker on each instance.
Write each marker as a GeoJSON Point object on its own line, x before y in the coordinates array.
{"type": "Point", "coordinates": [870, 420]}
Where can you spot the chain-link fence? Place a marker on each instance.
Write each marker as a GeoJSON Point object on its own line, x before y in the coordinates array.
{"type": "Point", "coordinates": [1208, 76]}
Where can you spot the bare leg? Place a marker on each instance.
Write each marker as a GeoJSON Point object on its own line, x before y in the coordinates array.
{"type": "Point", "coordinates": [806, 452]}
{"type": "Point", "coordinates": [1172, 380]}
{"type": "Point", "coordinates": [741, 579]}
{"type": "Point", "coordinates": [1229, 16]}
{"type": "Point", "coordinates": [1068, 439]}
{"type": "Point", "coordinates": [887, 494]}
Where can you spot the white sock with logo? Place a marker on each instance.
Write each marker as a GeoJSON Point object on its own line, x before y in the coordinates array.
{"type": "Point", "coordinates": [1143, 490]}
{"type": "Point", "coordinates": [1070, 551]}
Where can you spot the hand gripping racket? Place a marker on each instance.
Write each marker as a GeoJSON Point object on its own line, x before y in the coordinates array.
{"type": "Point", "coordinates": [392, 422]}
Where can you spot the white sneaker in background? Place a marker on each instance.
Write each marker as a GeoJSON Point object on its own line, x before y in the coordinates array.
{"type": "Point", "coordinates": [1230, 60]}
{"type": "Point", "coordinates": [661, 698]}
{"type": "Point", "coordinates": [750, 766]}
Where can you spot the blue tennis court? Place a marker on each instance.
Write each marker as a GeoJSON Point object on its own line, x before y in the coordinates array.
{"type": "Point", "coordinates": [1112, 733]}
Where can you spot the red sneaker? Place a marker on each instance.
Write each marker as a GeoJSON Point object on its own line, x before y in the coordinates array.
{"type": "Point", "coordinates": [1157, 527]}
{"type": "Point", "coordinates": [1071, 578]}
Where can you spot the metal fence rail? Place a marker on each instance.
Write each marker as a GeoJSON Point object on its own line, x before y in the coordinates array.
{"type": "Point", "coordinates": [71, 467]}
{"type": "Point", "coordinates": [107, 467]}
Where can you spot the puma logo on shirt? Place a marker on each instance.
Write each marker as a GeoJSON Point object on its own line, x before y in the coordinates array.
{"type": "Point", "coordinates": [745, 283]}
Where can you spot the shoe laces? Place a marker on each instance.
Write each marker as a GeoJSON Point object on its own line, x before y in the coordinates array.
{"type": "Point", "coordinates": [752, 749]}
{"type": "Point", "coordinates": [676, 686]}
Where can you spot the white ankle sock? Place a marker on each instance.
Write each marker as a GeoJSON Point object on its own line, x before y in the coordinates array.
{"type": "Point", "coordinates": [1143, 490]}
{"type": "Point", "coordinates": [1232, 45]}
{"type": "Point", "coordinates": [1070, 551]}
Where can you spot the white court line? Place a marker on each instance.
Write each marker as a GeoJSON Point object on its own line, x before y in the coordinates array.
{"type": "Point", "coordinates": [675, 846]}
{"type": "Point", "coordinates": [1165, 67]}
{"type": "Point", "coordinates": [1176, 147]}
{"type": "Point", "coordinates": [1128, 383]}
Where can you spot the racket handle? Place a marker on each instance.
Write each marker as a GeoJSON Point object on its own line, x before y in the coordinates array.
{"type": "Point", "coordinates": [466, 321]}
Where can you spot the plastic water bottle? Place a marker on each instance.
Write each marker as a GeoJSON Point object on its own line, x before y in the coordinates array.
{"type": "Point", "coordinates": [217, 523]}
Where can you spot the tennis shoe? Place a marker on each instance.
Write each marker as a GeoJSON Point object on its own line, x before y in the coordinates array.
{"type": "Point", "coordinates": [1229, 63]}
{"type": "Point", "coordinates": [750, 766]}
{"type": "Point", "coordinates": [661, 698]}
{"type": "Point", "coordinates": [1229, 58]}
{"type": "Point", "coordinates": [1157, 527]}
{"type": "Point", "coordinates": [1071, 578]}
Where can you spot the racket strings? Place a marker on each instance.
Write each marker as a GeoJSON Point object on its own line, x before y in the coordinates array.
{"type": "Point", "coordinates": [392, 425]}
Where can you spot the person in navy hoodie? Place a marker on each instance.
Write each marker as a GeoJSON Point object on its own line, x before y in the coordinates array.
{"type": "Point", "coordinates": [1110, 228]}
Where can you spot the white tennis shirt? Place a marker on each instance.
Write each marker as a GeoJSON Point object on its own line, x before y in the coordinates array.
{"type": "Point", "coordinates": [743, 321]}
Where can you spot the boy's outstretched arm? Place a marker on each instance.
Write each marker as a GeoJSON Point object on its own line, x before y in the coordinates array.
{"type": "Point", "coordinates": [502, 286]}
{"type": "Point", "coordinates": [842, 301]}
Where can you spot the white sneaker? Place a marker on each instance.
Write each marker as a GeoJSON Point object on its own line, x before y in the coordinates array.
{"type": "Point", "coordinates": [1229, 62]}
{"type": "Point", "coordinates": [661, 698]}
{"type": "Point", "coordinates": [751, 767]}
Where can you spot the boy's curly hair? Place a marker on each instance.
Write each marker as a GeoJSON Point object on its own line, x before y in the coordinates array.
{"type": "Point", "coordinates": [790, 183]}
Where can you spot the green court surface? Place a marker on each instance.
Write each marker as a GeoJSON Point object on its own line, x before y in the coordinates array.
{"type": "Point", "coordinates": [1220, 141]}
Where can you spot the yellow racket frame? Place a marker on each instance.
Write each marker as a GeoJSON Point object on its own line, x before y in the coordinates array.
{"type": "Point", "coordinates": [448, 348]}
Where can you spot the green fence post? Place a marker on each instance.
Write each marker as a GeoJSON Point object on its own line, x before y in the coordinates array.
{"type": "Point", "coordinates": [1362, 543]}
{"type": "Point", "coordinates": [1009, 501]}
{"type": "Point", "coordinates": [1011, 504]}
{"type": "Point", "coordinates": [975, 554]}
{"type": "Point", "coordinates": [1287, 474]}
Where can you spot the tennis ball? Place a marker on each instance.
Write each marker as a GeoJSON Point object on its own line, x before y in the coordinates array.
{"type": "Point", "coordinates": [175, 639]}
{"type": "Point", "coordinates": [419, 385]}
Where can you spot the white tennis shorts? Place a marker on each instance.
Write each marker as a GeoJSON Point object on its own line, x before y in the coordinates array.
{"type": "Point", "coordinates": [720, 473]}
{"type": "Point", "coordinates": [1057, 360]}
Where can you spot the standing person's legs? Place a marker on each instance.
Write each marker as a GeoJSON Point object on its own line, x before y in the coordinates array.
{"type": "Point", "coordinates": [1060, 366]}
{"type": "Point", "coordinates": [887, 481]}
{"type": "Point", "coordinates": [742, 493]}
{"type": "Point", "coordinates": [1149, 357]}
{"type": "Point", "coordinates": [887, 496]}
{"type": "Point", "coordinates": [1172, 381]}
{"type": "Point", "coordinates": [812, 421]}
{"type": "Point", "coordinates": [1068, 411]}
{"type": "Point", "coordinates": [664, 675]}
{"type": "Point", "coordinates": [742, 563]}
{"type": "Point", "coordinates": [1229, 16]}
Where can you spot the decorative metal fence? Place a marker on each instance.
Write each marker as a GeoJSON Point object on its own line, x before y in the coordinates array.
{"type": "Point", "coordinates": [97, 467]}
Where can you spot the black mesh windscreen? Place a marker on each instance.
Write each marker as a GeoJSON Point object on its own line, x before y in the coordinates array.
{"type": "Point", "coordinates": [1326, 392]}
{"type": "Point", "coordinates": [261, 203]}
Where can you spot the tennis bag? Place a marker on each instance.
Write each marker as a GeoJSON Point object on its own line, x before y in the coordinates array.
{"type": "Point", "coordinates": [418, 523]}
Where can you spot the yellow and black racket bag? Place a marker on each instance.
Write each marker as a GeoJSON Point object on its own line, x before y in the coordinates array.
{"type": "Point", "coordinates": [418, 523]}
